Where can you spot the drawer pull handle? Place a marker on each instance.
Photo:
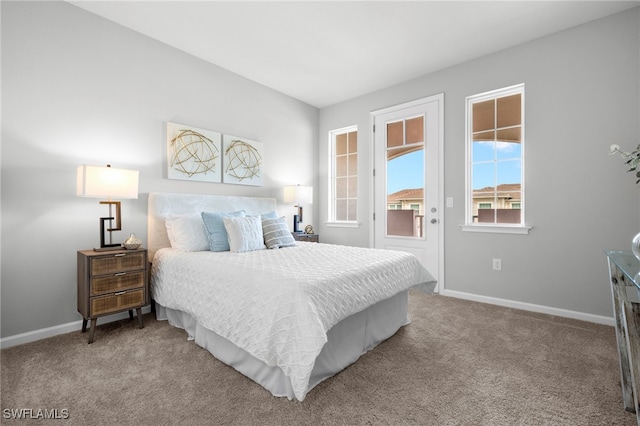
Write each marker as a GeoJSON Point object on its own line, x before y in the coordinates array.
{"type": "Point", "coordinates": [119, 255]}
{"type": "Point", "coordinates": [119, 293]}
{"type": "Point", "coordinates": [119, 274]}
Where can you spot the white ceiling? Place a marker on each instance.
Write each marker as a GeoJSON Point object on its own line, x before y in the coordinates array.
{"type": "Point", "coordinates": [325, 52]}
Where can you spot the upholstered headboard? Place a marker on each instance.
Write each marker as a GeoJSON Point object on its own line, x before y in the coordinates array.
{"type": "Point", "coordinates": [162, 204]}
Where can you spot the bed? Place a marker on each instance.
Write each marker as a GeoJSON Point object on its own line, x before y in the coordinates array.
{"type": "Point", "coordinates": [287, 318]}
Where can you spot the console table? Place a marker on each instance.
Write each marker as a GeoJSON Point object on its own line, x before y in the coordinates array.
{"type": "Point", "coordinates": [624, 273]}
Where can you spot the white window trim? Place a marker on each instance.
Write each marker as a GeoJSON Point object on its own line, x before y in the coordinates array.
{"type": "Point", "coordinates": [343, 224]}
{"type": "Point", "coordinates": [497, 229]}
{"type": "Point", "coordinates": [331, 186]}
{"type": "Point", "coordinates": [502, 228]}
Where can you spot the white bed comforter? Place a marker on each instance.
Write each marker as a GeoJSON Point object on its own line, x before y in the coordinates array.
{"type": "Point", "coordinates": [279, 304]}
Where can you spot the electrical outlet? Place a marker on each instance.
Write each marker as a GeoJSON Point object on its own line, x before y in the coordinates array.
{"type": "Point", "coordinates": [497, 264]}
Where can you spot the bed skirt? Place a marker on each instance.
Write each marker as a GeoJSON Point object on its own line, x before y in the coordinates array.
{"type": "Point", "coordinates": [347, 341]}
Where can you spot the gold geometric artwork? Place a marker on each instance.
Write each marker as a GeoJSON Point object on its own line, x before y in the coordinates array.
{"type": "Point", "coordinates": [193, 154]}
{"type": "Point", "coordinates": [242, 161]}
{"type": "Point", "coordinates": [208, 156]}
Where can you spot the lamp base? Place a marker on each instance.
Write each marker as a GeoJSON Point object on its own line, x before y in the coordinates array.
{"type": "Point", "coordinates": [296, 221]}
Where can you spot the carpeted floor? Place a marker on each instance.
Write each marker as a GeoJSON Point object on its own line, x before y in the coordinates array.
{"type": "Point", "coordinates": [457, 363]}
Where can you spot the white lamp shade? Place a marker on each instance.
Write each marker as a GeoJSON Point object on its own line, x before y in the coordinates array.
{"type": "Point", "coordinates": [297, 194]}
{"type": "Point", "coordinates": [101, 182]}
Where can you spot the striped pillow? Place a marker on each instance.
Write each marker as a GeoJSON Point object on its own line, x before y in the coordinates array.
{"type": "Point", "coordinates": [276, 233]}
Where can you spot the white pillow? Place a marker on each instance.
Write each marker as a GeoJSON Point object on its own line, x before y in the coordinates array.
{"type": "Point", "coordinates": [245, 233]}
{"type": "Point", "coordinates": [186, 232]}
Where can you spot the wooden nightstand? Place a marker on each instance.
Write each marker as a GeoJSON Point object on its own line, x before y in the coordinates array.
{"type": "Point", "coordinates": [111, 282]}
{"type": "Point", "coordinates": [301, 236]}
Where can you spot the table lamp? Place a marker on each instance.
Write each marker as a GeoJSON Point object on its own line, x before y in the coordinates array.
{"type": "Point", "coordinates": [298, 195]}
{"type": "Point", "coordinates": [107, 182]}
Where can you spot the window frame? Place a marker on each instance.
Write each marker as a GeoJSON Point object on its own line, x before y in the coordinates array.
{"type": "Point", "coordinates": [331, 193]}
{"type": "Point", "coordinates": [470, 225]}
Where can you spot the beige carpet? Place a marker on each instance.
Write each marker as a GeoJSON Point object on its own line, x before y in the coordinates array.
{"type": "Point", "coordinates": [457, 363]}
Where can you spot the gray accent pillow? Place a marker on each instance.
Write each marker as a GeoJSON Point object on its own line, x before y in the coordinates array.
{"type": "Point", "coordinates": [276, 233]}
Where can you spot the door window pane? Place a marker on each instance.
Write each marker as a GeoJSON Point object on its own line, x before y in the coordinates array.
{"type": "Point", "coordinates": [405, 177]}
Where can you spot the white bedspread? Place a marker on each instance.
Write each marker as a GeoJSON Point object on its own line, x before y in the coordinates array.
{"type": "Point", "coordinates": [279, 304]}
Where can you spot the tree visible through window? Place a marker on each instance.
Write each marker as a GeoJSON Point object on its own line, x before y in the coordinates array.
{"type": "Point", "coordinates": [495, 147]}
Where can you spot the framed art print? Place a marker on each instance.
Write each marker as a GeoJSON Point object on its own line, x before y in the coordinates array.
{"type": "Point", "coordinates": [193, 154]}
{"type": "Point", "coordinates": [241, 161]}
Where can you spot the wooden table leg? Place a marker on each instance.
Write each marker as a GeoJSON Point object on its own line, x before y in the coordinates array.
{"type": "Point", "coordinates": [130, 314]}
{"type": "Point", "coordinates": [92, 330]}
{"type": "Point", "coordinates": [84, 325]}
{"type": "Point", "coordinates": [139, 313]}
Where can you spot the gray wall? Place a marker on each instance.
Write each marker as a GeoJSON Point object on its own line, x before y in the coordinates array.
{"type": "Point", "coordinates": [77, 89]}
{"type": "Point", "coordinates": [582, 94]}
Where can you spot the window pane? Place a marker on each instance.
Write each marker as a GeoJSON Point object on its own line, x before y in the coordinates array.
{"type": "Point", "coordinates": [353, 142]}
{"type": "Point", "coordinates": [484, 151]}
{"type": "Point", "coordinates": [483, 115]}
{"type": "Point", "coordinates": [352, 206]}
{"type": "Point", "coordinates": [341, 209]}
{"type": "Point", "coordinates": [353, 164]}
{"type": "Point", "coordinates": [353, 187]}
{"type": "Point", "coordinates": [341, 166]}
{"type": "Point", "coordinates": [485, 136]}
{"type": "Point", "coordinates": [509, 111]}
{"type": "Point", "coordinates": [483, 177]}
{"type": "Point", "coordinates": [508, 172]}
{"type": "Point", "coordinates": [341, 144]}
{"type": "Point", "coordinates": [415, 130]}
{"type": "Point", "coordinates": [395, 135]}
{"type": "Point", "coordinates": [505, 150]}
{"type": "Point", "coordinates": [342, 187]}
{"type": "Point", "coordinates": [511, 134]}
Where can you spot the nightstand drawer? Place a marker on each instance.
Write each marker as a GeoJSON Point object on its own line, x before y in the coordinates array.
{"type": "Point", "coordinates": [120, 262]}
{"type": "Point", "coordinates": [117, 282]}
{"type": "Point", "coordinates": [117, 302]}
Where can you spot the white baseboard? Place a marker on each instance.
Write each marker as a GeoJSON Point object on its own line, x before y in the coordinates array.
{"type": "Point", "coordinates": [565, 313]}
{"type": "Point", "coordinates": [32, 336]}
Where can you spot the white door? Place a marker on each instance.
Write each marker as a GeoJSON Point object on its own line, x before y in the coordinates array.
{"type": "Point", "coordinates": [408, 213]}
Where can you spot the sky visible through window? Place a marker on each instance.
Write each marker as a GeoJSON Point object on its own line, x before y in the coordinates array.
{"type": "Point", "coordinates": [404, 172]}
{"type": "Point", "coordinates": [508, 168]}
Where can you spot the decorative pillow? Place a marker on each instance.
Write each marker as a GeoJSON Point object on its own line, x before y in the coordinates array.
{"type": "Point", "coordinates": [269, 215]}
{"type": "Point", "coordinates": [245, 233]}
{"type": "Point", "coordinates": [216, 232]}
{"type": "Point", "coordinates": [276, 233]}
{"type": "Point", "coordinates": [186, 232]}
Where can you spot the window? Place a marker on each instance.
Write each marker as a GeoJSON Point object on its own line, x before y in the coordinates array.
{"type": "Point", "coordinates": [343, 185]}
{"type": "Point", "coordinates": [495, 160]}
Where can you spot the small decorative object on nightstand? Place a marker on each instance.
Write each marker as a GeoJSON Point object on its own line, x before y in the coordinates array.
{"type": "Point", "coordinates": [312, 238]}
{"type": "Point", "coordinates": [132, 243]}
{"type": "Point", "coordinates": [111, 282]}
